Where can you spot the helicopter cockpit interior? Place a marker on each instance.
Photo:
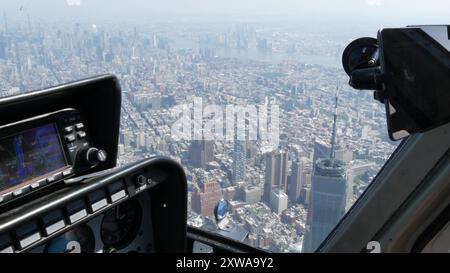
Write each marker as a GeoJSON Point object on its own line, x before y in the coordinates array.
{"type": "Point", "coordinates": [61, 191]}
{"type": "Point", "coordinates": [64, 196]}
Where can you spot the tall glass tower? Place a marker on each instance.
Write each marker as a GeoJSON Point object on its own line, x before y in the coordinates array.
{"type": "Point", "coordinates": [239, 158]}
{"type": "Point", "coordinates": [328, 198]}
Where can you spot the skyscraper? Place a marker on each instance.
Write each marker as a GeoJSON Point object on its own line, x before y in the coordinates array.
{"type": "Point", "coordinates": [97, 40]}
{"type": "Point", "coordinates": [239, 158]}
{"type": "Point", "coordinates": [328, 193]}
{"type": "Point", "coordinates": [201, 152]}
{"type": "Point", "coordinates": [206, 197]}
{"type": "Point", "coordinates": [18, 58]}
{"type": "Point", "coordinates": [2, 47]}
{"type": "Point", "coordinates": [276, 173]}
{"type": "Point", "coordinates": [295, 181]}
{"type": "Point", "coordinates": [328, 198]}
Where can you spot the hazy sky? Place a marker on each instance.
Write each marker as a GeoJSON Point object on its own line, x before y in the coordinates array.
{"type": "Point", "coordinates": [359, 11]}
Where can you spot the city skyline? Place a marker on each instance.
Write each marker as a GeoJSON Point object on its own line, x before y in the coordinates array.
{"type": "Point", "coordinates": [241, 64]}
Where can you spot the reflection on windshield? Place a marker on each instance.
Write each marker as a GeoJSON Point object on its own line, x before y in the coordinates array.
{"type": "Point", "coordinates": [258, 114]}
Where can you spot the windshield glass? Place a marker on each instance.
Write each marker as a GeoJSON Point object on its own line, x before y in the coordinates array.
{"type": "Point", "coordinates": [250, 96]}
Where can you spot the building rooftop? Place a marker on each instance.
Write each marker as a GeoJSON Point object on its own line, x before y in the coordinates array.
{"type": "Point", "coordinates": [330, 167]}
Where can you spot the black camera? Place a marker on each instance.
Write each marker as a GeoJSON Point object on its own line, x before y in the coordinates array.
{"type": "Point", "coordinates": [409, 69]}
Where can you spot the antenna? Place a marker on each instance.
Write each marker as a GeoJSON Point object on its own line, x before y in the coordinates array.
{"type": "Point", "coordinates": [333, 134]}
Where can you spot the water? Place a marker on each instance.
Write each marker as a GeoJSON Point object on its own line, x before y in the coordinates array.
{"type": "Point", "coordinates": [255, 54]}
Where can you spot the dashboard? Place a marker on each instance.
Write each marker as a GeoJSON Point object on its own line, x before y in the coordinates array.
{"type": "Point", "coordinates": [60, 190]}
{"type": "Point", "coordinates": [124, 228]}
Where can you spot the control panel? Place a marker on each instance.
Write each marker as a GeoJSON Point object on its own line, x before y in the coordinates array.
{"type": "Point", "coordinates": [59, 188]}
{"type": "Point", "coordinates": [108, 212]}
{"type": "Point", "coordinates": [43, 150]}
{"type": "Point", "coordinates": [124, 228]}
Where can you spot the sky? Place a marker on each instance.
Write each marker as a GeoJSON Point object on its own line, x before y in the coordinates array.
{"type": "Point", "coordinates": [392, 12]}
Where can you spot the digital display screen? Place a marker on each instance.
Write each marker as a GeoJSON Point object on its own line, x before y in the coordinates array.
{"type": "Point", "coordinates": [30, 154]}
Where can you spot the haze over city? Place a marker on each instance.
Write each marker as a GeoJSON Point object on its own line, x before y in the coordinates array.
{"type": "Point", "coordinates": [255, 52]}
{"type": "Point", "coordinates": [352, 13]}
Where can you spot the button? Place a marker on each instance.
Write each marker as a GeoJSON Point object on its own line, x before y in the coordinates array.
{"type": "Point", "coordinates": [53, 222]}
{"type": "Point", "coordinates": [5, 197]}
{"type": "Point", "coordinates": [28, 234]}
{"type": "Point", "coordinates": [30, 240]}
{"type": "Point", "coordinates": [81, 134]}
{"type": "Point", "coordinates": [5, 244]}
{"type": "Point", "coordinates": [8, 249]}
{"type": "Point", "coordinates": [54, 178]}
{"type": "Point", "coordinates": [97, 200]}
{"type": "Point", "coordinates": [76, 210]}
{"type": "Point", "coordinates": [99, 204]}
{"type": "Point", "coordinates": [70, 138]}
{"type": "Point", "coordinates": [68, 129]}
{"type": "Point", "coordinates": [79, 126]}
{"type": "Point", "coordinates": [17, 192]}
{"type": "Point", "coordinates": [118, 195]}
{"type": "Point", "coordinates": [78, 216]}
{"type": "Point", "coordinates": [21, 191]}
{"type": "Point", "coordinates": [51, 179]}
{"type": "Point", "coordinates": [55, 227]}
{"type": "Point", "coordinates": [117, 191]}
{"type": "Point", "coordinates": [38, 184]}
{"type": "Point", "coordinates": [67, 172]}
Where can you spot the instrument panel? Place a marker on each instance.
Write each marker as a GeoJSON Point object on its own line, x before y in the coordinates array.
{"type": "Point", "coordinates": [59, 190]}
{"type": "Point", "coordinates": [124, 228]}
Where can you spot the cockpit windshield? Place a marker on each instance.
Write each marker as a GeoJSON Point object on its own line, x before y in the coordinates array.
{"type": "Point", "coordinates": [250, 96]}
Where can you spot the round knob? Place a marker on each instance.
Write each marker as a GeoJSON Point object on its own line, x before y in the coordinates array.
{"type": "Point", "coordinates": [92, 156]}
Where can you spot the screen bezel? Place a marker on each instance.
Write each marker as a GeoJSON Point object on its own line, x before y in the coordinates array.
{"type": "Point", "coordinates": [20, 127]}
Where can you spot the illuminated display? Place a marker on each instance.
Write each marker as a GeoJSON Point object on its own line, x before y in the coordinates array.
{"type": "Point", "coordinates": [30, 154]}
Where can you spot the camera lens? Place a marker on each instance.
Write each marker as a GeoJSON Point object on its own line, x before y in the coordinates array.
{"type": "Point", "coordinates": [361, 53]}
